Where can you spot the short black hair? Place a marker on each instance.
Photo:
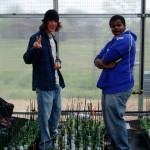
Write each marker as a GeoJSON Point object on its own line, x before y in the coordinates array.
{"type": "Point", "coordinates": [117, 17]}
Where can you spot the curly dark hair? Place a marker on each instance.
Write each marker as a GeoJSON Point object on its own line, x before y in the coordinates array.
{"type": "Point", "coordinates": [117, 17]}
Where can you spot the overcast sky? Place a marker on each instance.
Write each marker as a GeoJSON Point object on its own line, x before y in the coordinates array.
{"type": "Point", "coordinates": [87, 6]}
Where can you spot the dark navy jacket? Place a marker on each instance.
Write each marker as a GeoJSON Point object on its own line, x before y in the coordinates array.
{"type": "Point", "coordinates": [120, 78]}
{"type": "Point", "coordinates": [43, 76]}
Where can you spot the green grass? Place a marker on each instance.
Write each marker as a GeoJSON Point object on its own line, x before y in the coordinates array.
{"type": "Point", "coordinates": [78, 70]}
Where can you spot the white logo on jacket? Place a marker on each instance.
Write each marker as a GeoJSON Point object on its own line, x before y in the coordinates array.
{"type": "Point", "coordinates": [119, 38]}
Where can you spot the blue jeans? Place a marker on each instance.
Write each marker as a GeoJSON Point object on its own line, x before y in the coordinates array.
{"type": "Point", "coordinates": [49, 112]}
{"type": "Point", "coordinates": [113, 108]}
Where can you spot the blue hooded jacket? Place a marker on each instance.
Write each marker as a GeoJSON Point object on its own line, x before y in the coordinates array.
{"type": "Point", "coordinates": [120, 78]}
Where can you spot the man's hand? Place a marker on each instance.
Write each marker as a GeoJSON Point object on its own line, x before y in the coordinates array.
{"type": "Point", "coordinates": [111, 65]}
{"type": "Point", "coordinates": [37, 43]}
{"type": "Point", "coordinates": [99, 64]}
{"type": "Point", "coordinates": [57, 65]}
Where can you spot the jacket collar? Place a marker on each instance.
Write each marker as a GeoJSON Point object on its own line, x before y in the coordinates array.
{"type": "Point", "coordinates": [43, 33]}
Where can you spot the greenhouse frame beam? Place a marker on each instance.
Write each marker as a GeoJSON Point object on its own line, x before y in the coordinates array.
{"type": "Point", "coordinates": [142, 49]}
{"type": "Point", "coordinates": [14, 15]}
{"type": "Point", "coordinates": [127, 113]}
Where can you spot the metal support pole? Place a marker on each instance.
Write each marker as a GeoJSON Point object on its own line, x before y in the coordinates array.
{"type": "Point", "coordinates": [55, 6]}
{"type": "Point", "coordinates": [141, 72]}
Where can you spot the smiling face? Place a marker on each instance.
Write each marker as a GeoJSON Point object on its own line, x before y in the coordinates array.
{"type": "Point", "coordinates": [51, 26]}
{"type": "Point", "coordinates": [117, 27]}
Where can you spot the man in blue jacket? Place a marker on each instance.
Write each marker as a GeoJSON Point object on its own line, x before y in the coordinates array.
{"type": "Point", "coordinates": [117, 80]}
{"type": "Point", "coordinates": [47, 80]}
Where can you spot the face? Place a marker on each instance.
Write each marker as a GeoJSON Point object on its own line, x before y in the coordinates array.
{"type": "Point", "coordinates": [117, 27]}
{"type": "Point", "coordinates": [51, 26]}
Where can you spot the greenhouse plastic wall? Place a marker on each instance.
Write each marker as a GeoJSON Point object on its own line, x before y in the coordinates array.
{"type": "Point", "coordinates": [85, 31]}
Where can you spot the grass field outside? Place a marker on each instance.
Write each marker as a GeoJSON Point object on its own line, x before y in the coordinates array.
{"type": "Point", "coordinates": [78, 70]}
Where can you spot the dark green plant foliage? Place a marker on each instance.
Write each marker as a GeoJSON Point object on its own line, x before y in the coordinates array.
{"type": "Point", "coordinates": [86, 131]}
{"type": "Point", "coordinates": [145, 125]}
